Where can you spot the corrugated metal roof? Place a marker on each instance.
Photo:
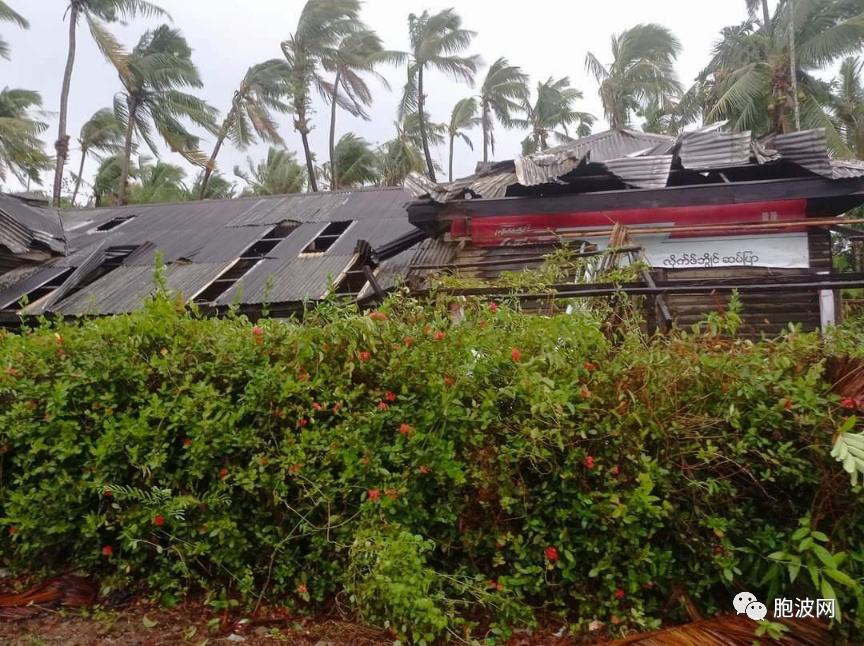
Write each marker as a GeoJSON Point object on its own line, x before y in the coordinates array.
{"type": "Point", "coordinates": [21, 225]}
{"type": "Point", "coordinates": [642, 172]}
{"type": "Point", "coordinates": [708, 148]}
{"type": "Point", "coordinates": [807, 148]}
{"type": "Point", "coordinates": [847, 168]}
{"type": "Point", "coordinates": [29, 280]}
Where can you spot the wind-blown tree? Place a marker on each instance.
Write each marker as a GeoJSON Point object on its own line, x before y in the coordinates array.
{"type": "Point", "coordinates": [260, 94]}
{"type": "Point", "coordinates": [152, 74]}
{"type": "Point", "coordinates": [96, 13]}
{"type": "Point", "coordinates": [436, 42]}
{"type": "Point", "coordinates": [753, 6]}
{"type": "Point", "coordinates": [157, 183]}
{"type": "Point", "coordinates": [661, 119]}
{"type": "Point", "coordinates": [22, 153]}
{"type": "Point", "coordinates": [463, 118]}
{"type": "Point", "coordinates": [504, 91]}
{"type": "Point", "coordinates": [102, 133]}
{"type": "Point", "coordinates": [7, 14]}
{"type": "Point", "coordinates": [356, 161]}
{"type": "Point", "coordinates": [642, 72]}
{"type": "Point", "coordinates": [321, 27]}
{"type": "Point", "coordinates": [279, 174]}
{"type": "Point", "coordinates": [106, 183]}
{"type": "Point", "coordinates": [357, 54]}
{"type": "Point", "coordinates": [848, 105]}
{"type": "Point", "coordinates": [398, 158]}
{"type": "Point", "coordinates": [749, 79]}
{"type": "Point", "coordinates": [552, 115]}
{"type": "Point", "coordinates": [218, 187]}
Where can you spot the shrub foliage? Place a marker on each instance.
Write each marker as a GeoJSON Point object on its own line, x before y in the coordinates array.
{"type": "Point", "coordinates": [433, 475]}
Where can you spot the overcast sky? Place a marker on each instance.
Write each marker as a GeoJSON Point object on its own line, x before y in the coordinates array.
{"type": "Point", "coordinates": [545, 37]}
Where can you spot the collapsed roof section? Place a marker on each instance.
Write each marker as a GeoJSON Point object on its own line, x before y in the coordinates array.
{"type": "Point", "coordinates": [624, 159]}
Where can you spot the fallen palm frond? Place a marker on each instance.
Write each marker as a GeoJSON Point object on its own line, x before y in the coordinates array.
{"type": "Point", "coordinates": [67, 590]}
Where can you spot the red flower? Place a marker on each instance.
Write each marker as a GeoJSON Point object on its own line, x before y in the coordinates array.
{"type": "Point", "coordinates": [378, 316]}
{"type": "Point", "coordinates": [439, 336]}
{"type": "Point", "coordinates": [364, 461]}
{"type": "Point", "coordinates": [551, 554]}
{"type": "Point", "coordinates": [383, 405]}
{"type": "Point", "coordinates": [449, 381]}
{"type": "Point", "coordinates": [263, 462]}
{"type": "Point", "coordinates": [158, 521]}
{"type": "Point", "coordinates": [590, 367]}
{"type": "Point", "coordinates": [788, 404]}
{"type": "Point", "coordinates": [481, 324]}
{"type": "Point", "coordinates": [302, 422]}
{"type": "Point", "coordinates": [495, 585]}
{"type": "Point", "coordinates": [301, 589]}
{"type": "Point", "coordinates": [423, 469]}
{"type": "Point", "coordinates": [615, 470]}
{"type": "Point", "coordinates": [317, 406]}
{"type": "Point", "coordinates": [406, 429]}
{"type": "Point", "coordinates": [294, 468]}
{"type": "Point", "coordinates": [390, 396]}
{"type": "Point", "coordinates": [108, 493]}
{"type": "Point", "coordinates": [391, 493]}
{"type": "Point", "coordinates": [13, 530]}
{"type": "Point", "coordinates": [589, 462]}
{"type": "Point", "coordinates": [407, 340]}
{"type": "Point", "coordinates": [850, 403]}
{"type": "Point", "coordinates": [187, 442]}
{"type": "Point", "coordinates": [619, 593]}
{"type": "Point", "coordinates": [493, 306]}
{"type": "Point", "coordinates": [374, 494]}
{"type": "Point", "coordinates": [222, 473]}
{"type": "Point", "coordinates": [257, 331]}
{"type": "Point", "coordinates": [336, 407]}
{"type": "Point", "coordinates": [585, 394]}
{"type": "Point", "coordinates": [516, 354]}
{"type": "Point", "coordinates": [719, 549]}
{"type": "Point", "coordinates": [365, 356]}
{"type": "Point", "coordinates": [107, 550]}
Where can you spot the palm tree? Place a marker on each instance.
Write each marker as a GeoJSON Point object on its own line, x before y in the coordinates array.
{"type": "Point", "coordinates": [218, 188]}
{"type": "Point", "coordinates": [7, 14]}
{"type": "Point", "coordinates": [662, 119]}
{"type": "Point", "coordinates": [848, 105]}
{"type": "Point", "coordinates": [754, 5]}
{"type": "Point", "coordinates": [398, 158]}
{"type": "Point", "coordinates": [96, 13]}
{"type": "Point", "coordinates": [21, 151]}
{"type": "Point", "coordinates": [160, 64]}
{"type": "Point", "coordinates": [157, 183]}
{"type": "Point", "coordinates": [259, 95]}
{"type": "Point", "coordinates": [103, 132]}
{"type": "Point", "coordinates": [436, 41]}
{"type": "Point", "coordinates": [642, 72]}
{"type": "Point", "coordinates": [553, 114]}
{"type": "Point", "coordinates": [504, 90]}
{"type": "Point", "coordinates": [321, 27]}
{"type": "Point", "coordinates": [358, 53]}
{"type": "Point", "coordinates": [357, 162]}
{"type": "Point", "coordinates": [749, 79]}
{"type": "Point", "coordinates": [464, 118]}
{"type": "Point", "coordinates": [278, 174]}
{"type": "Point", "coordinates": [106, 183]}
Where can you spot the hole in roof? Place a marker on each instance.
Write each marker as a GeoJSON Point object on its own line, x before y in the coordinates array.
{"type": "Point", "coordinates": [113, 223]}
{"type": "Point", "coordinates": [327, 238]}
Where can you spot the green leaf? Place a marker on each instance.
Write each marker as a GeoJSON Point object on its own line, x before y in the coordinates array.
{"type": "Point", "coordinates": [800, 533]}
{"type": "Point", "coordinates": [841, 577]}
{"type": "Point", "coordinates": [819, 536]}
{"type": "Point", "coordinates": [825, 556]}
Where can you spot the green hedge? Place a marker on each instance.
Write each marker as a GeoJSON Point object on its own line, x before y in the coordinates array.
{"type": "Point", "coordinates": [434, 476]}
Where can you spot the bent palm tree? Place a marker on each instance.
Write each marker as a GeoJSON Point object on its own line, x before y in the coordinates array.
{"type": "Point", "coordinates": [358, 53]}
{"type": "Point", "coordinates": [464, 118]}
{"type": "Point", "coordinates": [260, 93]}
{"type": "Point", "coordinates": [21, 151]}
{"type": "Point", "coordinates": [322, 25]}
{"type": "Point", "coordinates": [750, 74]}
{"type": "Point", "coordinates": [96, 13]}
{"type": "Point", "coordinates": [642, 72]}
{"type": "Point", "coordinates": [398, 158]}
{"type": "Point", "coordinates": [160, 64]}
{"type": "Point", "coordinates": [103, 132]}
{"type": "Point", "coordinates": [552, 114]}
{"type": "Point", "coordinates": [356, 161]}
{"type": "Point", "coordinates": [504, 90]}
{"type": "Point", "coordinates": [436, 41]}
{"type": "Point", "coordinates": [847, 104]}
{"type": "Point", "coordinates": [218, 188]}
{"type": "Point", "coordinates": [278, 174]}
{"type": "Point", "coordinates": [754, 5]}
{"type": "Point", "coordinates": [7, 14]}
{"type": "Point", "coordinates": [159, 182]}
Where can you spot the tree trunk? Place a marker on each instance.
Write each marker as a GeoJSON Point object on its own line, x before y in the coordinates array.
{"type": "Point", "coordinates": [421, 115]}
{"type": "Point", "coordinates": [485, 132]}
{"type": "Point", "coordinates": [766, 16]}
{"type": "Point", "coordinates": [80, 172]}
{"type": "Point", "coordinates": [334, 177]}
{"type": "Point", "coordinates": [61, 146]}
{"type": "Point", "coordinates": [211, 165]}
{"type": "Point", "coordinates": [310, 169]}
{"type": "Point", "coordinates": [452, 138]}
{"type": "Point", "coordinates": [127, 154]}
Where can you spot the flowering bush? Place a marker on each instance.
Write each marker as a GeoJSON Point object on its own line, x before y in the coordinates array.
{"type": "Point", "coordinates": [429, 469]}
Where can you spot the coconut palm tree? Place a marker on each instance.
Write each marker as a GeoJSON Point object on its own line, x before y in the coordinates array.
{"type": "Point", "coordinates": [157, 183]}
{"type": "Point", "coordinates": [102, 132]}
{"type": "Point", "coordinates": [750, 74]}
{"type": "Point", "coordinates": [278, 174]}
{"type": "Point", "coordinates": [7, 14]}
{"type": "Point", "coordinates": [398, 158]}
{"type": "Point", "coordinates": [96, 13]}
{"type": "Point", "coordinates": [321, 27]}
{"type": "Point", "coordinates": [218, 187]}
{"type": "Point", "coordinates": [22, 153]}
{"type": "Point", "coordinates": [436, 41]}
{"type": "Point", "coordinates": [642, 72]}
{"type": "Point", "coordinates": [356, 161]}
{"type": "Point", "coordinates": [159, 65]}
{"type": "Point", "coordinates": [753, 6]}
{"type": "Point", "coordinates": [464, 117]}
{"type": "Point", "coordinates": [260, 94]}
{"type": "Point", "coordinates": [358, 53]}
{"type": "Point", "coordinates": [106, 183]}
{"type": "Point", "coordinates": [504, 90]}
{"type": "Point", "coordinates": [848, 105]}
{"type": "Point", "coordinates": [552, 114]}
